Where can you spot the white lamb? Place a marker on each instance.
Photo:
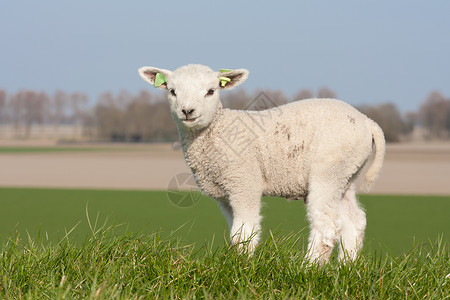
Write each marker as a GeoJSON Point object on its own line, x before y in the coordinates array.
{"type": "Point", "coordinates": [311, 149]}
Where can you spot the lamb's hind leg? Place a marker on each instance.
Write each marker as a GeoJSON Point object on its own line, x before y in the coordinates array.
{"type": "Point", "coordinates": [323, 214]}
{"type": "Point", "coordinates": [353, 225]}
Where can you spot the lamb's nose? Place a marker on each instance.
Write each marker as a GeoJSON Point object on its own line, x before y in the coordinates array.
{"type": "Point", "coordinates": [188, 112]}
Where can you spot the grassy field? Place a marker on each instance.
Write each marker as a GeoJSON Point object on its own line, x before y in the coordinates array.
{"type": "Point", "coordinates": [58, 243]}
{"type": "Point", "coordinates": [147, 267]}
{"type": "Point", "coordinates": [395, 223]}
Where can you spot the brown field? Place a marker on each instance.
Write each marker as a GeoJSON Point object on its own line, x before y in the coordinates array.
{"type": "Point", "coordinates": [422, 169]}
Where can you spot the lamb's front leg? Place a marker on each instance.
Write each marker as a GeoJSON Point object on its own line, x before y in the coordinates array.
{"type": "Point", "coordinates": [245, 226]}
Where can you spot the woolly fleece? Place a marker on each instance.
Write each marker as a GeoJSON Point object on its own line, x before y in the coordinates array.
{"type": "Point", "coordinates": [311, 149]}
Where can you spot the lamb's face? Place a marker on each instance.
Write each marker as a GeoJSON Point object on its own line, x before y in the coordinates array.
{"type": "Point", "coordinates": [193, 91]}
{"type": "Point", "coordinates": [193, 95]}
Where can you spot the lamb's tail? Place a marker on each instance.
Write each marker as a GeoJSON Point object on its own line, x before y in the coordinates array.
{"type": "Point", "coordinates": [380, 145]}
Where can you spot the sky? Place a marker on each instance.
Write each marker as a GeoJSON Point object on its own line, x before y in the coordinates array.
{"type": "Point", "coordinates": [367, 52]}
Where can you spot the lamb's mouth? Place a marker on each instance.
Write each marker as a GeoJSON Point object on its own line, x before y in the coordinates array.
{"type": "Point", "coordinates": [189, 120]}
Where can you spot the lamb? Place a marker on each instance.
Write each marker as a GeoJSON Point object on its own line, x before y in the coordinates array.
{"type": "Point", "coordinates": [312, 149]}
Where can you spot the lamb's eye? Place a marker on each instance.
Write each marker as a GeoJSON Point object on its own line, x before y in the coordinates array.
{"type": "Point", "coordinates": [172, 92]}
{"type": "Point", "coordinates": [210, 92]}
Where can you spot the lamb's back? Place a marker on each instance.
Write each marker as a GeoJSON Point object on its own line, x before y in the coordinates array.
{"type": "Point", "coordinates": [296, 135]}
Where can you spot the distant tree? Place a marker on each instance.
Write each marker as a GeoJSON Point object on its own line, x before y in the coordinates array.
{"type": "Point", "coordinates": [59, 104]}
{"type": "Point", "coordinates": [16, 112]}
{"type": "Point", "coordinates": [389, 119]}
{"type": "Point", "coordinates": [138, 119]}
{"type": "Point", "coordinates": [303, 94]}
{"type": "Point", "coordinates": [42, 109]}
{"type": "Point", "coordinates": [447, 123]}
{"type": "Point", "coordinates": [325, 92]}
{"type": "Point", "coordinates": [144, 117]}
{"type": "Point", "coordinates": [162, 124]}
{"type": "Point", "coordinates": [3, 99]}
{"type": "Point", "coordinates": [77, 102]}
{"type": "Point", "coordinates": [411, 120]}
{"type": "Point", "coordinates": [435, 114]}
{"type": "Point", "coordinates": [150, 120]}
{"type": "Point", "coordinates": [264, 99]}
{"type": "Point", "coordinates": [89, 124]}
{"type": "Point", "coordinates": [28, 108]}
{"type": "Point", "coordinates": [110, 118]}
{"type": "Point", "coordinates": [235, 99]}
{"type": "Point", "coordinates": [3, 104]}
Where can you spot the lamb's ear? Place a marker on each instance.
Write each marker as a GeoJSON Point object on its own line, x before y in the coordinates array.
{"type": "Point", "coordinates": [154, 76]}
{"type": "Point", "coordinates": [231, 78]}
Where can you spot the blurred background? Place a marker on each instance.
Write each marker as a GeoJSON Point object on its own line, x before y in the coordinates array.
{"type": "Point", "coordinates": [68, 70]}
{"type": "Point", "coordinates": [75, 114]}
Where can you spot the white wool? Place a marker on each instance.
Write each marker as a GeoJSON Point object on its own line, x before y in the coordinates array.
{"type": "Point", "coordinates": [311, 149]}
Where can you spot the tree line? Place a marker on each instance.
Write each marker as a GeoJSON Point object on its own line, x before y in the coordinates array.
{"type": "Point", "coordinates": [145, 117]}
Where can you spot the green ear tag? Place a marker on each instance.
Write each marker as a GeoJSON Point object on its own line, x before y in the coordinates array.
{"type": "Point", "coordinates": [224, 81]}
{"type": "Point", "coordinates": [160, 79]}
{"type": "Point", "coordinates": [225, 70]}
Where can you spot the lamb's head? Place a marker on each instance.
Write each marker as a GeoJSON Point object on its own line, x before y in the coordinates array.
{"type": "Point", "coordinates": [193, 91]}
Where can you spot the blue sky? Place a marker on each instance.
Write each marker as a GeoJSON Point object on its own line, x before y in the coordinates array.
{"type": "Point", "coordinates": [366, 51]}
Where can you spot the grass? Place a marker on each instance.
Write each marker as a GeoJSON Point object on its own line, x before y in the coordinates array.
{"type": "Point", "coordinates": [58, 243]}
{"type": "Point", "coordinates": [394, 223]}
{"type": "Point", "coordinates": [108, 266]}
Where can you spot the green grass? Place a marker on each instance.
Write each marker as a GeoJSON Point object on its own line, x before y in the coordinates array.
{"type": "Point", "coordinates": [58, 243]}
{"type": "Point", "coordinates": [51, 213]}
{"type": "Point", "coordinates": [394, 223]}
{"type": "Point", "coordinates": [107, 266]}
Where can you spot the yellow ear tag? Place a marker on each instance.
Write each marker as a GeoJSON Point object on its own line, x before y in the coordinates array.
{"type": "Point", "coordinates": [160, 79]}
{"type": "Point", "coordinates": [224, 80]}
